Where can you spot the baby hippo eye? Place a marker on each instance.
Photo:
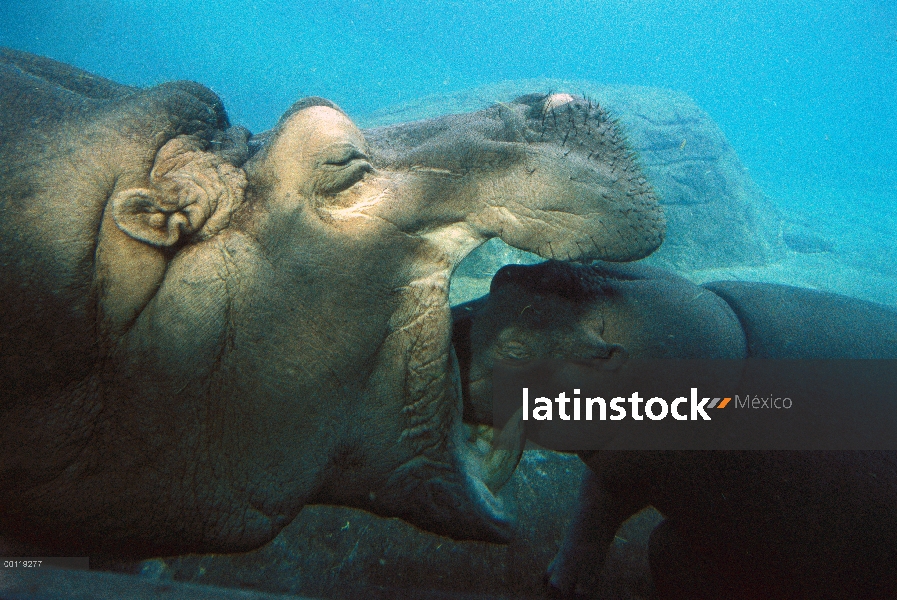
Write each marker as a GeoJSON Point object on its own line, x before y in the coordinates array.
{"type": "Point", "coordinates": [340, 168]}
{"type": "Point", "coordinates": [513, 350]}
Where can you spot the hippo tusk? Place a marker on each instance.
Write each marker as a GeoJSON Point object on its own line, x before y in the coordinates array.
{"type": "Point", "coordinates": [507, 448]}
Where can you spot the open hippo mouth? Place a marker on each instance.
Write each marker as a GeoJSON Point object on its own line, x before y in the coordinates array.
{"type": "Point", "coordinates": [547, 174]}
{"type": "Point", "coordinates": [459, 496]}
{"type": "Point", "coordinates": [451, 485]}
{"type": "Point", "coordinates": [373, 224]}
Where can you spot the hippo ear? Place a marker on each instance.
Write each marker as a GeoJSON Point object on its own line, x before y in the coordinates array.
{"type": "Point", "coordinates": [193, 194]}
{"type": "Point", "coordinates": [142, 215]}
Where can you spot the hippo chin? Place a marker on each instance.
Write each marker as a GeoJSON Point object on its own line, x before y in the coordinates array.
{"type": "Point", "coordinates": [738, 524]}
{"type": "Point", "coordinates": [198, 342]}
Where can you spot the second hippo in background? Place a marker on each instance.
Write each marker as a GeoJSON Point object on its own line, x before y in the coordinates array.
{"type": "Point", "coordinates": [737, 525]}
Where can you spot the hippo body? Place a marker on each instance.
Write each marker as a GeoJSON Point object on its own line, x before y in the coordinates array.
{"type": "Point", "coordinates": [737, 524]}
{"type": "Point", "coordinates": [786, 322]}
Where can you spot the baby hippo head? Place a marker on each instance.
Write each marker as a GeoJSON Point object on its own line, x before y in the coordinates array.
{"type": "Point", "coordinates": [600, 313]}
{"type": "Point", "coordinates": [550, 310]}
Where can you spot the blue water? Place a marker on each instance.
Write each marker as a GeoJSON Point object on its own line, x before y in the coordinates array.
{"type": "Point", "coordinates": [804, 89]}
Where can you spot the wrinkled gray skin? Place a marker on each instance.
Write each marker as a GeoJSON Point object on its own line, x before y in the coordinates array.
{"type": "Point", "coordinates": [738, 524]}
{"type": "Point", "coordinates": [196, 343]}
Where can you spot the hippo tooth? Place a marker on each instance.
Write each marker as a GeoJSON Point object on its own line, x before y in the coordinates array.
{"type": "Point", "coordinates": [499, 464]}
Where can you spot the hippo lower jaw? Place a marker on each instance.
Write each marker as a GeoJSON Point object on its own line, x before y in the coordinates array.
{"type": "Point", "coordinates": [485, 474]}
{"type": "Point", "coordinates": [458, 495]}
{"type": "Point", "coordinates": [448, 484]}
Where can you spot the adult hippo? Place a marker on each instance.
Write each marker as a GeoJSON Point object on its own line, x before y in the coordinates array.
{"type": "Point", "coordinates": [197, 342]}
{"type": "Point", "coordinates": [738, 525]}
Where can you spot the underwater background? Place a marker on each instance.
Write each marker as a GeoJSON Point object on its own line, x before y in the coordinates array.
{"type": "Point", "coordinates": [803, 89]}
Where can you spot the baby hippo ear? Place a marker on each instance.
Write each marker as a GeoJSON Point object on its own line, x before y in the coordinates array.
{"type": "Point", "coordinates": [193, 194]}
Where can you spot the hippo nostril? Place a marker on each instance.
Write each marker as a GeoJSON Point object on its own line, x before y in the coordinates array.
{"type": "Point", "coordinates": [556, 101]}
{"type": "Point", "coordinates": [586, 352]}
{"type": "Point", "coordinates": [606, 351]}
{"type": "Point", "coordinates": [604, 356]}
{"type": "Point", "coordinates": [616, 357]}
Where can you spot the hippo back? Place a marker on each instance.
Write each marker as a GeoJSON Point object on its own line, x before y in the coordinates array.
{"type": "Point", "coordinates": [785, 322]}
{"type": "Point", "coordinates": [658, 315]}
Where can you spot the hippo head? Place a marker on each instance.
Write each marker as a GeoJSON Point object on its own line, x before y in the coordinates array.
{"type": "Point", "coordinates": [600, 315]}
{"type": "Point", "coordinates": [231, 341]}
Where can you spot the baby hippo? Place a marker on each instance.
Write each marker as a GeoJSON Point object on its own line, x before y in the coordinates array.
{"type": "Point", "coordinates": [738, 525]}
